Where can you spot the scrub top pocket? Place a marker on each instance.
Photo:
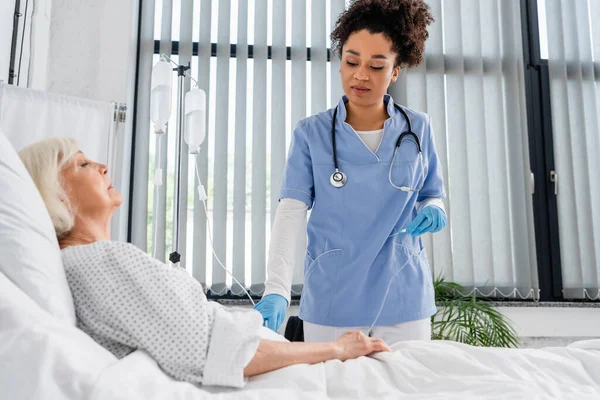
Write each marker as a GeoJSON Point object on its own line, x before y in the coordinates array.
{"type": "Point", "coordinates": [326, 263]}
{"type": "Point", "coordinates": [320, 280]}
{"type": "Point", "coordinates": [415, 273]}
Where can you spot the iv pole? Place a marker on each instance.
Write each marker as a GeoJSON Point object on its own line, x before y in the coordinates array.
{"type": "Point", "coordinates": [180, 147]}
{"type": "Point", "coordinates": [197, 102]}
{"type": "Point", "coordinates": [175, 257]}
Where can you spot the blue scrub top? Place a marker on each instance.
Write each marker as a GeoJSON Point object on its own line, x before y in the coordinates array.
{"type": "Point", "coordinates": [354, 248]}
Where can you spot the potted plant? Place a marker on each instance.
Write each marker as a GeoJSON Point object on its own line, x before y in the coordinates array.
{"type": "Point", "coordinates": [468, 319]}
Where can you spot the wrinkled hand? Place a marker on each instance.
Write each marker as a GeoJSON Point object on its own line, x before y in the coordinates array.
{"type": "Point", "coordinates": [272, 307]}
{"type": "Point", "coordinates": [355, 344]}
{"type": "Point", "coordinates": [430, 219]}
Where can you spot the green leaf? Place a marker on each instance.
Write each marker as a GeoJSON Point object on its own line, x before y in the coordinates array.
{"type": "Point", "coordinates": [469, 320]}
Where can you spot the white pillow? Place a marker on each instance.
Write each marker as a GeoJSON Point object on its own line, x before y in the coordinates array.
{"type": "Point", "coordinates": [42, 357]}
{"type": "Point", "coordinates": [29, 252]}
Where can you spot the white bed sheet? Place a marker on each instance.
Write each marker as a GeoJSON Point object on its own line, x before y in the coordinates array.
{"type": "Point", "coordinates": [44, 357]}
{"type": "Point", "coordinates": [416, 370]}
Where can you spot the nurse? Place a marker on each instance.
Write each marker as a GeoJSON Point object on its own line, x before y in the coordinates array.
{"type": "Point", "coordinates": [369, 171]}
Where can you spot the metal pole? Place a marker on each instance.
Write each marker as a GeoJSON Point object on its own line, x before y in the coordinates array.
{"type": "Point", "coordinates": [175, 257]}
{"type": "Point", "coordinates": [12, 69]}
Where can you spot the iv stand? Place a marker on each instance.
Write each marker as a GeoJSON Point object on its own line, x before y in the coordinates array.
{"type": "Point", "coordinates": [175, 257]}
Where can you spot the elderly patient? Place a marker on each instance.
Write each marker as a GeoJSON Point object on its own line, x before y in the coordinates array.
{"type": "Point", "coordinates": [127, 300]}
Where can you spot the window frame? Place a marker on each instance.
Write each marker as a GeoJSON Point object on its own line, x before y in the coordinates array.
{"type": "Point", "coordinates": [541, 152]}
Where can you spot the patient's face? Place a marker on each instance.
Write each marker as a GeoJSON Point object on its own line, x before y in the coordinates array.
{"type": "Point", "coordinates": [89, 188]}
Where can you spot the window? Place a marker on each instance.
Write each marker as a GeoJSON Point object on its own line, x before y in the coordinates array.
{"type": "Point", "coordinates": [486, 84]}
{"type": "Point", "coordinates": [570, 79]}
{"type": "Point", "coordinates": [251, 45]}
{"type": "Point", "coordinates": [543, 32]}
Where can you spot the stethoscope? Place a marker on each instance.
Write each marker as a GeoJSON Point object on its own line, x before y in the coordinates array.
{"type": "Point", "coordinates": [338, 179]}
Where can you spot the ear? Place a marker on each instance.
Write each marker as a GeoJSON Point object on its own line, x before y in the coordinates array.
{"type": "Point", "coordinates": [395, 74]}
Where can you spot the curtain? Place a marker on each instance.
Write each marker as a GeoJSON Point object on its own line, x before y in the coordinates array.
{"type": "Point", "coordinates": [573, 33]}
{"type": "Point", "coordinates": [245, 55]}
{"type": "Point", "coordinates": [251, 58]}
{"type": "Point", "coordinates": [472, 85]}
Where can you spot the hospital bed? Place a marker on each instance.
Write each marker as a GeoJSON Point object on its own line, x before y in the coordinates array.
{"type": "Point", "coordinates": [44, 356]}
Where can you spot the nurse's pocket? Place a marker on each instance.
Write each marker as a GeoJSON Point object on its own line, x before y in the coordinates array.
{"type": "Point", "coordinates": [320, 273]}
{"type": "Point", "coordinates": [328, 260]}
{"type": "Point", "coordinates": [415, 268]}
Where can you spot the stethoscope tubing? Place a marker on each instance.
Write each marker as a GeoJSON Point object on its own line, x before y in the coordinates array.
{"type": "Point", "coordinates": [338, 178]}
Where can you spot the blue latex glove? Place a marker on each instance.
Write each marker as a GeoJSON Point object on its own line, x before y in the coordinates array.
{"type": "Point", "coordinates": [272, 307]}
{"type": "Point", "coordinates": [430, 219]}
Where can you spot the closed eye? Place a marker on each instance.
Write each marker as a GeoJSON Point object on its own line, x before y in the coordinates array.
{"type": "Point", "coordinates": [377, 68]}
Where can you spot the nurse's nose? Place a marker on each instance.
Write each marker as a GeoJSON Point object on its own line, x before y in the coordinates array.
{"type": "Point", "coordinates": [361, 75]}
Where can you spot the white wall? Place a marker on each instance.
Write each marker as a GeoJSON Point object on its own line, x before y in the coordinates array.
{"type": "Point", "coordinates": [92, 48]}
{"type": "Point", "coordinates": [7, 10]}
{"type": "Point", "coordinates": [79, 48]}
{"type": "Point", "coordinates": [572, 322]}
{"type": "Point", "coordinates": [40, 44]}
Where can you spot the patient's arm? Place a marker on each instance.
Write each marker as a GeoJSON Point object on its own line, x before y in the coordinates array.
{"type": "Point", "coordinates": [272, 355]}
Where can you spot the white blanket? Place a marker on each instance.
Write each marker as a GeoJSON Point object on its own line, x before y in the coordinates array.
{"type": "Point", "coordinates": [42, 357]}
{"type": "Point", "coordinates": [416, 370]}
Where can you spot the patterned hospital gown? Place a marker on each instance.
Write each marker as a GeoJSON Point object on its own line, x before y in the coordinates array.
{"type": "Point", "coordinates": [126, 300]}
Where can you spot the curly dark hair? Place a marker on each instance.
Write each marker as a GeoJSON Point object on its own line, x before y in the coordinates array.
{"type": "Point", "coordinates": [404, 22]}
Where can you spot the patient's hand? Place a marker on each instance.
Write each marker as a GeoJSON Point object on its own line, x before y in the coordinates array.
{"type": "Point", "coordinates": [272, 355]}
{"type": "Point", "coordinates": [355, 344]}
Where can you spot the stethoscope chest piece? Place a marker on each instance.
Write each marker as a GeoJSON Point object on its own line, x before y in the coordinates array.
{"type": "Point", "coordinates": [338, 179]}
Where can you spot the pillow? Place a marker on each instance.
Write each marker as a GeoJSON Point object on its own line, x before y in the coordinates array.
{"type": "Point", "coordinates": [30, 256]}
{"type": "Point", "coordinates": [41, 356]}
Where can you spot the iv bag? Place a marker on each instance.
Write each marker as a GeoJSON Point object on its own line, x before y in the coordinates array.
{"type": "Point", "coordinates": [160, 96]}
{"type": "Point", "coordinates": [195, 119]}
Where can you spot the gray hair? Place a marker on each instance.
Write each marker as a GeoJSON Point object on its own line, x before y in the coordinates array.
{"type": "Point", "coordinates": [45, 160]}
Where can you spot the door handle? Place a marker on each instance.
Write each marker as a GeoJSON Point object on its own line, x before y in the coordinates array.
{"type": "Point", "coordinates": [554, 179]}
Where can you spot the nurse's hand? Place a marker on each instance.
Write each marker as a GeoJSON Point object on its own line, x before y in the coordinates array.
{"type": "Point", "coordinates": [355, 344]}
{"type": "Point", "coordinates": [272, 307]}
{"type": "Point", "coordinates": [430, 219]}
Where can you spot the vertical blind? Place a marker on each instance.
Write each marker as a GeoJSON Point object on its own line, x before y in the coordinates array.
{"type": "Point", "coordinates": [574, 69]}
{"type": "Point", "coordinates": [251, 58]}
{"type": "Point", "coordinates": [472, 85]}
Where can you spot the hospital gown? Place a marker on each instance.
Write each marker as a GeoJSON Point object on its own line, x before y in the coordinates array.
{"type": "Point", "coordinates": [126, 300]}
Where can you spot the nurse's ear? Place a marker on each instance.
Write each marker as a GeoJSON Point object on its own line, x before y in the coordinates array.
{"type": "Point", "coordinates": [395, 74]}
